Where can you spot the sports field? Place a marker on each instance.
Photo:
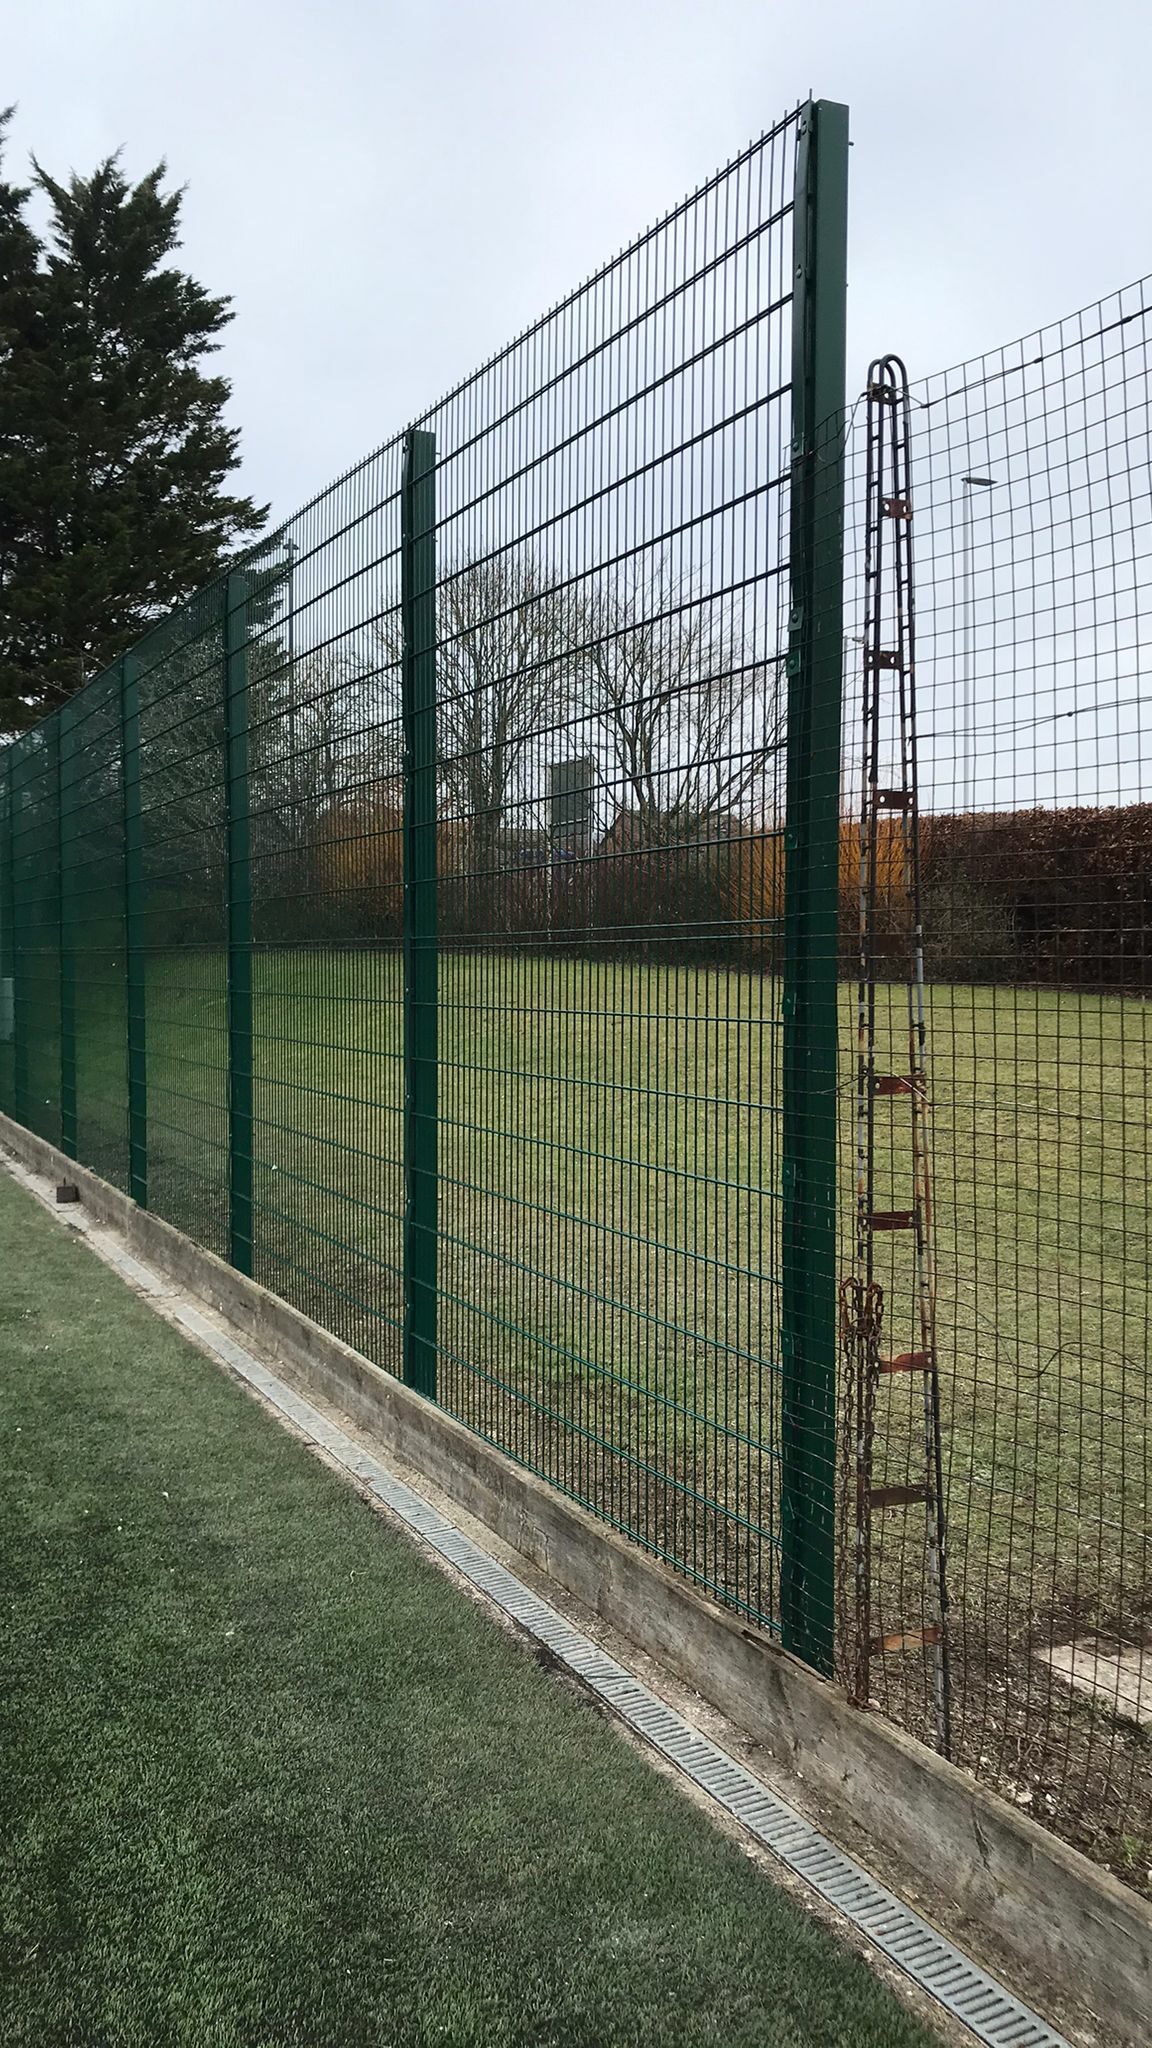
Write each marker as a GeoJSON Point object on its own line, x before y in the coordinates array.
{"type": "Point", "coordinates": [609, 1213]}
{"type": "Point", "coordinates": [268, 1777]}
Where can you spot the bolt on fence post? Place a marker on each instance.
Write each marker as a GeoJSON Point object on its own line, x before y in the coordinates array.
{"type": "Point", "coordinates": [134, 932]}
{"type": "Point", "coordinates": [65, 887]}
{"type": "Point", "coordinates": [239, 914]}
{"type": "Point", "coordinates": [418, 684]}
{"type": "Point", "coordinates": [812, 842]}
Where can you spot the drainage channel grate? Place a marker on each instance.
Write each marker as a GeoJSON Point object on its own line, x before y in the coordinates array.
{"type": "Point", "coordinates": [992, 2014]}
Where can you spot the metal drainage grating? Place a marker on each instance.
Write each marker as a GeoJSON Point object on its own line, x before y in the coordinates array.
{"type": "Point", "coordinates": [992, 2014]}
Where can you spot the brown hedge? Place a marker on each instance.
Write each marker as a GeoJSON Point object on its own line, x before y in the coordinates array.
{"type": "Point", "coordinates": [1056, 896]}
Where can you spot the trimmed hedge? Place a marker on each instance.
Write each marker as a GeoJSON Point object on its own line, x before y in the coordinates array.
{"type": "Point", "coordinates": [1049, 897]}
{"type": "Point", "coordinates": [1058, 897]}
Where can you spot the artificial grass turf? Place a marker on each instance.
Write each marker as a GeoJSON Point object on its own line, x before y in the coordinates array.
{"type": "Point", "coordinates": [268, 1778]}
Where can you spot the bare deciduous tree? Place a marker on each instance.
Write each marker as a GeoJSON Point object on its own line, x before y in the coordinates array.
{"type": "Point", "coordinates": [689, 719]}
{"type": "Point", "coordinates": [504, 667]}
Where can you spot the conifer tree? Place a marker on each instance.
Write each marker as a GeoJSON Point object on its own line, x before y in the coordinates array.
{"type": "Point", "coordinates": [114, 453]}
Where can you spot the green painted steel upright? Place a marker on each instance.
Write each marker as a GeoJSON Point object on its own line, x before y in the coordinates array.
{"type": "Point", "coordinates": [66, 805]}
{"type": "Point", "coordinates": [17, 885]}
{"type": "Point", "coordinates": [418, 609]}
{"type": "Point", "coordinates": [239, 905]}
{"type": "Point", "coordinates": [135, 935]}
{"type": "Point", "coordinates": [812, 839]}
{"type": "Point", "coordinates": [7, 937]}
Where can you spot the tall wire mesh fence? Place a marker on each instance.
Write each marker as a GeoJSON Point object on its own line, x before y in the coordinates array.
{"type": "Point", "coordinates": [437, 918]}
{"type": "Point", "coordinates": [405, 918]}
{"type": "Point", "coordinates": [1032, 530]}
{"type": "Point", "coordinates": [612, 528]}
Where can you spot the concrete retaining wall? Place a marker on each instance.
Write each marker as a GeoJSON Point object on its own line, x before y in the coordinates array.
{"type": "Point", "coordinates": [1067, 1923]}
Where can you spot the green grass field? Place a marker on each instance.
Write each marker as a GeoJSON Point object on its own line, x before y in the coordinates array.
{"type": "Point", "coordinates": [609, 1260]}
{"type": "Point", "coordinates": [269, 1779]}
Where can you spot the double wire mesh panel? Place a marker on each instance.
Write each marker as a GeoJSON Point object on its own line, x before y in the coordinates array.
{"type": "Point", "coordinates": [613, 533]}
{"type": "Point", "coordinates": [437, 916]}
{"type": "Point", "coordinates": [1031, 529]}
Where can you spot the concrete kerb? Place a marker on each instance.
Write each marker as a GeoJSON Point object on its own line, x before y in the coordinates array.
{"type": "Point", "coordinates": [1040, 1902]}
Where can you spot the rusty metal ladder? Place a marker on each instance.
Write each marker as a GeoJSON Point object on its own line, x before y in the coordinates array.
{"type": "Point", "coordinates": [889, 823]}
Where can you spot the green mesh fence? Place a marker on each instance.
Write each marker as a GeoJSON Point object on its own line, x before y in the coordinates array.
{"type": "Point", "coordinates": [1031, 520]}
{"type": "Point", "coordinates": [34, 854]}
{"type": "Point", "coordinates": [428, 916]}
{"type": "Point", "coordinates": [93, 1018]}
{"type": "Point", "coordinates": [453, 918]}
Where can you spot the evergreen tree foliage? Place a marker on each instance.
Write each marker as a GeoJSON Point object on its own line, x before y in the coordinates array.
{"type": "Point", "coordinates": [114, 454]}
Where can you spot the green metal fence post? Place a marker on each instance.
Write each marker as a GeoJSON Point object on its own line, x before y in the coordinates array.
{"type": "Point", "coordinates": [65, 890]}
{"type": "Point", "coordinates": [239, 885]}
{"type": "Point", "coordinates": [7, 937]}
{"type": "Point", "coordinates": [18, 772]}
{"type": "Point", "coordinates": [812, 841]}
{"type": "Point", "coordinates": [418, 608]}
{"type": "Point", "coordinates": [134, 932]}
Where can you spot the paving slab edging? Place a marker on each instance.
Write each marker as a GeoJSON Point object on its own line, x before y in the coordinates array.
{"type": "Point", "coordinates": [1065, 1921]}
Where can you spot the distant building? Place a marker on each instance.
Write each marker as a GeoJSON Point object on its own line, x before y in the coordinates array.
{"type": "Point", "coordinates": [633, 830]}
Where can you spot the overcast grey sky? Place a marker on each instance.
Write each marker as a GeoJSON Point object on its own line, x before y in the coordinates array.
{"type": "Point", "coordinates": [390, 189]}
